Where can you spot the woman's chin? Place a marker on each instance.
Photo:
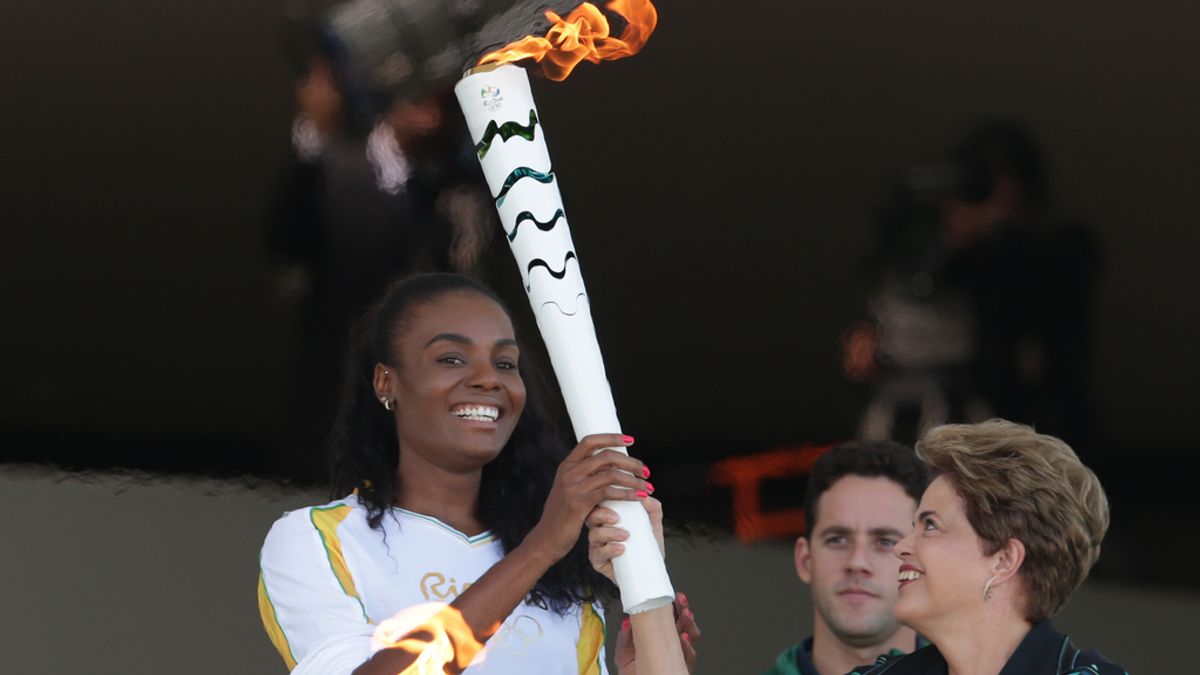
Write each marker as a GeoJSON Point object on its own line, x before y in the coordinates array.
{"type": "Point", "coordinates": [481, 448]}
{"type": "Point", "coordinates": [906, 612]}
{"type": "Point", "coordinates": [481, 455]}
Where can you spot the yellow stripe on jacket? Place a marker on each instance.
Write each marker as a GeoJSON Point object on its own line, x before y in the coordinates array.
{"type": "Point", "coordinates": [591, 640]}
{"type": "Point", "coordinates": [266, 610]}
{"type": "Point", "coordinates": [326, 520]}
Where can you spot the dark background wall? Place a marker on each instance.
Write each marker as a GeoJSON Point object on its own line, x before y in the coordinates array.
{"type": "Point", "coordinates": [721, 186]}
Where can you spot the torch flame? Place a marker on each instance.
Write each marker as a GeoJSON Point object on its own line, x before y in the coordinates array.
{"type": "Point", "coordinates": [583, 34]}
{"type": "Point", "coordinates": [435, 635]}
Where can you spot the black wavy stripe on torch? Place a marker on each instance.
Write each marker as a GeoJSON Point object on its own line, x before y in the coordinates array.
{"type": "Point", "coordinates": [528, 216]}
{"type": "Point", "coordinates": [559, 274]}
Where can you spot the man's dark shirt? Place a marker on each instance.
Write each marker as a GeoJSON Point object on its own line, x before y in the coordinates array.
{"type": "Point", "coordinates": [797, 659]}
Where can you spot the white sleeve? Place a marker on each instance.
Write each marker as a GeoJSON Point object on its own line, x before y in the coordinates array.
{"type": "Point", "coordinates": [318, 627]}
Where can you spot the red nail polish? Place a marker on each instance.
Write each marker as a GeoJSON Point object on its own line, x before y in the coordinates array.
{"type": "Point", "coordinates": [689, 613]}
{"type": "Point", "coordinates": [682, 599]}
{"type": "Point", "coordinates": [645, 471]}
{"type": "Point", "coordinates": [685, 637]}
{"type": "Point", "coordinates": [649, 487]}
{"type": "Point", "coordinates": [641, 494]}
{"type": "Point", "coordinates": [628, 439]}
{"type": "Point", "coordinates": [625, 624]}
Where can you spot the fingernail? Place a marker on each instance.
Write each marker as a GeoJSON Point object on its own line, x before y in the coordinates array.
{"type": "Point", "coordinates": [641, 494]}
{"type": "Point", "coordinates": [628, 439]}
{"type": "Point", "coordinates": [645, 471]}
{"type": "Point", "coordinates": [649, 487]}
{"type": "Point", "coordinates": [685, 637]}
{"type": "Point", "coordinates": [688, 612]}
{"type": "Point", "coordinates": [625, 624]}
{"type": "Point", "coordinates": [682, 599]}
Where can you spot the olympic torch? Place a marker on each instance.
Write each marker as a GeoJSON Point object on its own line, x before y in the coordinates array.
{"type": "Point", "coordinates": [511, 146]}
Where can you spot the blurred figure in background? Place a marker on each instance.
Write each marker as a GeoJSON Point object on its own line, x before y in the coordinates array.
{"type": "Point", "coordinates": [364, 200]}
{"type": "Point", "coordinates": [982, 304]}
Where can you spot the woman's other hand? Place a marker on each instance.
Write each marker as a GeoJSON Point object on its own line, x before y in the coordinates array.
{"type": "Point", "coordinates": [605, 535]}
{"type": "Point", "coordinates": [584, 479]}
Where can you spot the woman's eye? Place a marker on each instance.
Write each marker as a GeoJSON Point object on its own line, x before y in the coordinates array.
{"type": "Point", "coordinates": [451, 360]}
{"type": "Point", "coordinates": [929, 524]}
{"type": "Point", "coordinates": [506, 365]}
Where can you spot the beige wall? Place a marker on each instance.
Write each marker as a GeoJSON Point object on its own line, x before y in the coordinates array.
{"type": "Point", "coordinates": [127, 575]}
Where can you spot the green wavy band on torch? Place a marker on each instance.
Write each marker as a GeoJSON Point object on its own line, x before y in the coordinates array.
{"type": "Point", "coordinates": [505, 131]}
{"type": "Point", "coordinates": [516, 175]}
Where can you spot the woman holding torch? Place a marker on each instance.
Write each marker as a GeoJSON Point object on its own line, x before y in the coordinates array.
{"type": "Point", "coordinates": [454, 541]}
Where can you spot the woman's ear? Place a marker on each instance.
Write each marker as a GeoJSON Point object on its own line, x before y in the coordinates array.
{"type": "Point", "coordinates": [1007, 561]}
{"type": "Point", "coordinates": [382, 380]}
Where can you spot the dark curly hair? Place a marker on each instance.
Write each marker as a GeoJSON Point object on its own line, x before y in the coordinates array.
{"type": "Point", "coordinates": [364, 448]}
{"type": "Point", "coordinates": [868, 459]}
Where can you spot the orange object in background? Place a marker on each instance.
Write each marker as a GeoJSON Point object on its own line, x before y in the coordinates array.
{"type": "Point", "coordinates": [745, 474]}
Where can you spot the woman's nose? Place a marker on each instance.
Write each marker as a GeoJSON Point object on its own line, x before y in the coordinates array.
{"type": "Point", "coordinates": [903, 548]}
{"type": "Point", "coordinates": [484, 376]}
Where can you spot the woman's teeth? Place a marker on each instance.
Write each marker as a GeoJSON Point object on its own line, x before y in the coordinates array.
{"type": "Point", "coordinates": [909, 575]}
{"type": "Point", "coordinates": [478, 413]}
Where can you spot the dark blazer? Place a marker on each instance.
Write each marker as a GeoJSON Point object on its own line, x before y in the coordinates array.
{"type": "Point", "coordinates": [1044, 651]}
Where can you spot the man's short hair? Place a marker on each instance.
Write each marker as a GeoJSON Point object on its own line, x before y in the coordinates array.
{"type": "Point", "coordinates": [874, 459]}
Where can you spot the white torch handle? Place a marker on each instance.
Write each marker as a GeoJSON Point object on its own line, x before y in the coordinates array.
{"type": "Point", "coordinates": [504, 124]}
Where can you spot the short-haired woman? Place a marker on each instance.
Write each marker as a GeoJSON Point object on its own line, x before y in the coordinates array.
{"type": "Point", "coordinates": [1007, 530]}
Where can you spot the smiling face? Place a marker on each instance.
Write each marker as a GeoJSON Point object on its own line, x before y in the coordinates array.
{"type": "Point", "coordinates": [943, 568]}
{"type": "Point", "coordinates": [847, 558]}
{"type": "Point", "coordinates": [457, 392]}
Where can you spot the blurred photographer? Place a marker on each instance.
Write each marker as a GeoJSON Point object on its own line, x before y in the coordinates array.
{"type": "Point", "coordinates": [982, 302]}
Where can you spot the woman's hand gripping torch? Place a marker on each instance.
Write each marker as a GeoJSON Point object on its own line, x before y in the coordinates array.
{"type": "Point", "coordinates": [504, 124]}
